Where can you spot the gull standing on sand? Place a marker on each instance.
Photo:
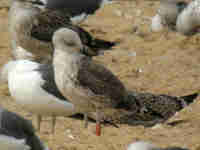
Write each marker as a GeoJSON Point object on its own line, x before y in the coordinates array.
{"type": "Point", "coordinates": [93, 88]}
{"type": "Point", "coordinates": [31, 29]}
{"type": "Point", "coordinates": [89, 86]}
{"type": "Point", "coordinates": [144, 145]}
{"type": "Point", "coordinates": [188, 21]}
{"type": "Point", "coordinates": [17, 133]}
{"type": "Point", "coordinates": [167, 14]}
{"type": "Point", "coordinates": [32, 86]}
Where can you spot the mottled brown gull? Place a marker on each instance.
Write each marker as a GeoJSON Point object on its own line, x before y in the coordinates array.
{"type": "Point", "coordinates": [31, 30]}
{"type": "Point", "coordinates": [91, 87]}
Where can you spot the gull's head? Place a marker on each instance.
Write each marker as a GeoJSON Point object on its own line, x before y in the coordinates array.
{"type": "Point", "coordinates": [67, 40]}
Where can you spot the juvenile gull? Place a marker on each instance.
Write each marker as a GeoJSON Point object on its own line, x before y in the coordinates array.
{"type": "Point", "coordinates": [93, 88]}
{"type": "Point", "coordinates": [144, 145]}
{"type": "Point", "coordinates": [32, 86]}
{"type": "Point", "coordinates": [31, 30]}
{"type": "Point", "coordinates": [167, 14]}
{"type": "Point", "coordinates": [17, 133]}
{"type": "Point", "coordinates": [188, 21]}
{"type": "Point", "coordinates": [89, 86]}
{"type": "Point", "coordinates": [148, 109]}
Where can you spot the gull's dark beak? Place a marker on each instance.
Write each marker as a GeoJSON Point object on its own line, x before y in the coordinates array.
{"type": "Point", "coordinates": [37, 2]}
{"type": "Point", "coordinates": [88, 51]}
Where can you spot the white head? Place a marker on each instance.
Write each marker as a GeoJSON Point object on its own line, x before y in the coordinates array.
{"type": "Point", "coordinates": [67, 40]}
{"type": "Point", "coordinates": [141, 145]}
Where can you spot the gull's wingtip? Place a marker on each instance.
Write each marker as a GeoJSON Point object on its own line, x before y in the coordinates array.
{"type": "Point", "coordinates": [190, 98]}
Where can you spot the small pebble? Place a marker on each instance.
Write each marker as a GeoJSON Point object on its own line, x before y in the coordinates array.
{"type": "Point", "coordinates": [133, 54]}
{"type": "Point", "coordinates": [118, 13]}
{"type": "Point", "coordinates": [128, 17]}
{"type": "Point", "coordinates": [71, 136]}
{"type": "Point", "coordinates": [138, 13]}
{"type": "Point", "coordinates": [139, 70]}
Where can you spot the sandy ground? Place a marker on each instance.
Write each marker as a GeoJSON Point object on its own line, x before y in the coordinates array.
{"type": "Point", "coordinates": [164, 62]}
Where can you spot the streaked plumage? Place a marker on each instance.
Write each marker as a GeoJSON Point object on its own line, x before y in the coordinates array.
{"type": "Point", "coordinates": [31, 30]}
{"type": "Point", "coordinates": [153, 109]}
{"type": "Point", "coordinates": [91, 87]}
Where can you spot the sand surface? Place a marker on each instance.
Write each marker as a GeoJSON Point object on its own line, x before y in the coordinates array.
{"type": "Point", "coordinates": [162, 63]}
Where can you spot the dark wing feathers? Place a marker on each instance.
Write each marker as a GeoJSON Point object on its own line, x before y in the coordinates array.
{"type": "Point", "coordinates": [101, 82]}
{"type": "Point", "coordinates": [75, 7]}
{"type": "Point", "coordinates": [189, 98]}
{"type": "Point", "coordinates": [49, 85]}
{"type": "Point", "coordinates": [48, 21]}
{"type": "Point", "coordinates": [16, 126]}
{"type": "Point", "coordinates": [158, 106]}
{"type": "Point", "coordinates": [161, 104]}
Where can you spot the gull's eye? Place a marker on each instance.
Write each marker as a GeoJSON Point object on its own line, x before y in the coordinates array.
{"type": "Point", "coordinates": [88, 51]}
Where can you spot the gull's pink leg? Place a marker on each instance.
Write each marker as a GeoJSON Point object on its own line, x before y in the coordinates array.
{"type": "Point", "coordinates": [98, 123]}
